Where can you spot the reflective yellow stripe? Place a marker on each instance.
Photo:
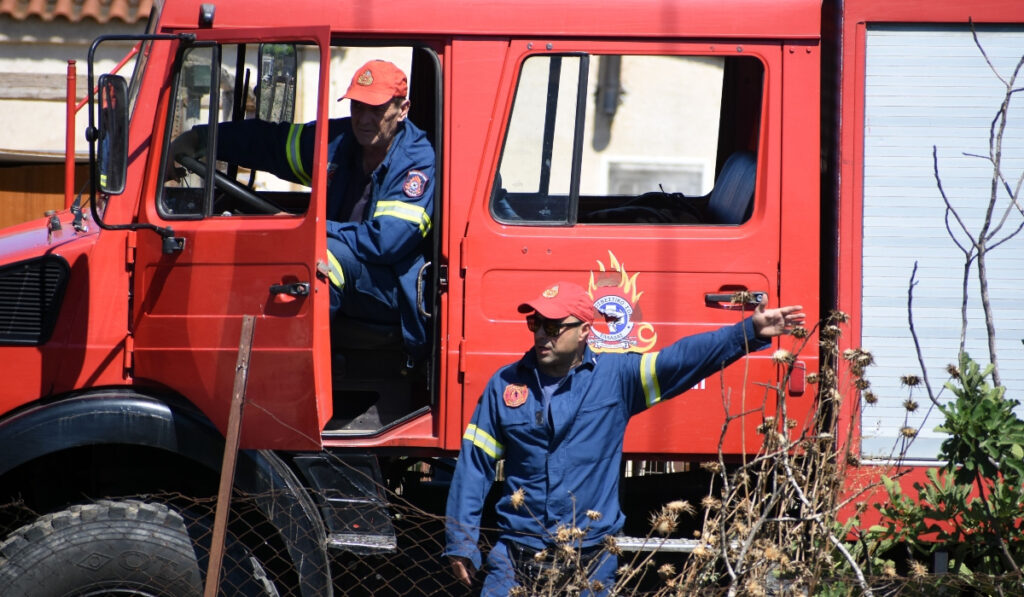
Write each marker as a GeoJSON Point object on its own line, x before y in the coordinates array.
{"type": "Point", "coordinates": [405, 211]}
{"type": "Point", "coordinates": [484, 441]}
{"type": "Point", "coordinates": [294, 154]}
{"type": "Point", "coordinates": [334, 271]}
{"type": "Point", "coordinates": [649, 378]}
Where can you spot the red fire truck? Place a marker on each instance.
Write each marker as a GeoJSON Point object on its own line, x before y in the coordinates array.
{"type": "Point", "coordinates": [664, 155]}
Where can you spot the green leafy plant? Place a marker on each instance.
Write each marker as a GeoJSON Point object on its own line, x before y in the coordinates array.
{"type": "Point", "coordinates": [971, 507]}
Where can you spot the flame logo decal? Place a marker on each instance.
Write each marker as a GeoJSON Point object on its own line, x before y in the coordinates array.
{"type": "Point", "coordinates": [617, 297]}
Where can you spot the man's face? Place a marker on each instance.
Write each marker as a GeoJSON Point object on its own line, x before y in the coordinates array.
{"type": "Point", "coordinates": [558, 343]}
{"type": "Point", "coordinates": [375, 126]}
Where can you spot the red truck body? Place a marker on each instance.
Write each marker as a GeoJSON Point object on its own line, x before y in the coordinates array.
{"type": "Point", "coordinates": [119, 314]}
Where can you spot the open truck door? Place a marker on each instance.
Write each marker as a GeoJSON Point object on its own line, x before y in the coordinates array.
{"type": "Point", "coordinates": [648, 173]}
{"type": "Point", "coordinates": [243, 243]}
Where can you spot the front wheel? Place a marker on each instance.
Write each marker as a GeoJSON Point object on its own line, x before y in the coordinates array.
{"type": "Point", "coordinates": [110, 548]}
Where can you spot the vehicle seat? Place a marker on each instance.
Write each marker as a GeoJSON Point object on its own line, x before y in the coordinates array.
{"type": "Point", "coordinates": [732, 199]}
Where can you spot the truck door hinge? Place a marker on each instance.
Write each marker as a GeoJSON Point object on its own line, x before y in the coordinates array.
{"type": "Point", "coordinates": [129, 356]}
{"type": "Point", "coordinates": [463, 250]}
{"type": "Point", "coordinates": [129, 249]}
{"type": "Point", "coordinates": [462, 356]}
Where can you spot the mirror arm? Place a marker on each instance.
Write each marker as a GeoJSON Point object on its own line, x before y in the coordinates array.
{"type": "Point", "coordinates": [91, 135]}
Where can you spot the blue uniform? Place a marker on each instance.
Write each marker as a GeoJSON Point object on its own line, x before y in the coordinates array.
{"type": "Point", "coordinates": [375, 258]}
{"type": "Point", "coordinates": [565, 455]}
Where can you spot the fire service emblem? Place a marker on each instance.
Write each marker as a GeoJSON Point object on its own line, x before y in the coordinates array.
{"type": "Point", "coordinates": [617, 299]}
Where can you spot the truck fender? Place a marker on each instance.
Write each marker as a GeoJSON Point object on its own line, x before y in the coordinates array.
{"type": "Point", "coordinates": [125, 416]}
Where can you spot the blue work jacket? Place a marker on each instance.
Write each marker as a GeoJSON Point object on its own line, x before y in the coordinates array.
{"type": "Point", "coordinates": [398, 218]}
{"type": "Point", "coordinates": [566, 457]}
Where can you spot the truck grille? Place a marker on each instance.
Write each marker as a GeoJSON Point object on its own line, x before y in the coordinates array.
{"type": "Point", "coordinates": [30, 297]}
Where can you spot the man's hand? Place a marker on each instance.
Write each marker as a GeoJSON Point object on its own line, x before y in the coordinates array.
{"type": "Point", "coordinates": [187, 143]}
{"type": "Point", "coordinates": [775, 322]}
{"type": "Point", "coordinates": [463, 569]}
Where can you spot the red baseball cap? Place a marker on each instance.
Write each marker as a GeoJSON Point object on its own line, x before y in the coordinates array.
{"type": "Point", "coordinates": [562, 300]}
{"type": "Point", "coordinates": [377, 82]}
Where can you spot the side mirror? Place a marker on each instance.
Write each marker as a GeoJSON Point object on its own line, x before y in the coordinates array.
{"type": "Point", "coordinates": [112, 133]}
{"type": "Point", "coordinates": [275, 97]}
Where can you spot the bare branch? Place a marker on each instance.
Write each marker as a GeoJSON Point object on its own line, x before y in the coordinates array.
{"type": "Point", "coordinates": [913, 333]}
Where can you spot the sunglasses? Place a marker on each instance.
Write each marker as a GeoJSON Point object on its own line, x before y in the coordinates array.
{"type": "Point", "coordinates": [553, 328]}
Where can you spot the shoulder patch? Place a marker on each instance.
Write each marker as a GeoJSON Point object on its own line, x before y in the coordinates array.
{"type": "Point", "coordinates": [415, 184]}
{"type": "Point", "coordinates": [515, 395]}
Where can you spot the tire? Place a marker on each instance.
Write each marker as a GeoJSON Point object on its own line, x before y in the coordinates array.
{"type": "Point", "coordinates": [110, 548]}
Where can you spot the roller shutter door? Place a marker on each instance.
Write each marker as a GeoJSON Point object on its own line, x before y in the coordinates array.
{"type": "Point", "coordinates": [924, 87]}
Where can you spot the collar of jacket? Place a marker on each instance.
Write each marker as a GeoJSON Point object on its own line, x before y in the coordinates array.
{"type": "Point", "coordinates": [529, 360]}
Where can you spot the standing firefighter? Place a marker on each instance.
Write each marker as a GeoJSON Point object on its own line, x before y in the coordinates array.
{"type": "Point", "coordinates": [558, 417]}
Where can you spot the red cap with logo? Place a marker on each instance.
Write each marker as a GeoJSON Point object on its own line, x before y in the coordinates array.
{"type": "Point", "coordinates": [562, 300]}
{"type": "Point", "coordinates": [377, 82]}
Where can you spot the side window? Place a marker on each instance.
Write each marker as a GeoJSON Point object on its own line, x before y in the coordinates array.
{"type": "Point", "coordinates": [239, 187]}
{"type": "Point", "coordinates": [631, 139]}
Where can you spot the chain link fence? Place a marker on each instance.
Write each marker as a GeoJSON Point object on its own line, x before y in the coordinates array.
{"type": "Point", "coordinates": [160, 544]}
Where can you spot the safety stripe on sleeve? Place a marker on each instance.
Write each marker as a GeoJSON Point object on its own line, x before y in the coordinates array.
{"type": "Point", "coordinates": [484, 441]}
{"type": "Point", "coordinates": [294, 154]}
{"type": "Point", "coordinates": [405, 211]}
{"type": "Point", "coordinates": [334, 271]}
{"type": "Point", "coordinates": [649, 378]}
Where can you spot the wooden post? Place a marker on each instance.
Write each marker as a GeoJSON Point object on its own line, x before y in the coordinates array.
{"type": "Point", "coordinates": [227, 470]}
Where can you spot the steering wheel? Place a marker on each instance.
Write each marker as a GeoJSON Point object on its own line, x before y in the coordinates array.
{"type": "Point", "coordinates": [229, 186]}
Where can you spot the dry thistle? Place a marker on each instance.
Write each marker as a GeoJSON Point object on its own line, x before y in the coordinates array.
{"type": "Point", "coordinates": [910, 405]}
{"type": "Point", "coordinates": [623, 570]}
{"type": "Point", "coordinates": [953, 370]}
{"type": "Point", "coordinates": [782, 357]}
{"type": "Point", "coordinates": [701, 552]}
{"type": "Point", "coordinates": [766, 426]}
{"type": "Point", "coordinates": [742, 297]}
{"type": "Point", "coordinates": [790, 423]}
{"type": "Point", "coordinates": [540, 555]}
{"type": "Point", "coordinates": [666, 571]}
{"type": "Point", "coordinates": [831, 332]}
{"type": "Point", "coordinates": [812, 378]}
{"type": "Point", "coordinates": [862, 384]}
{"type": "Point", "coordinates": [852, 459]}
{"type": "Point", "coordinates": [712, 466]}
{"type": "Point", "coordinates": [518, 591]}
{"type": "Point", "coordinates": [593, 515]}
{"type": "Point", "coordinates": [838, 317]}
{"type": "Point", "coordinates": [711, 503]}
{"type": "Point", "coordinates": [772, 553]}
{"type": "Point", "coordinates": [664, 523]}
{"type": "Point", "coordinates": [680, 506]}
{"type": "Point", "coordinates": [612, 546]}
{"type": "Point", "coordinates": [910, 380]}
{"type": "Point", "coordinates": [800, 332]}
{"type": "Point", "coordinates": [568, 551]}
{"type": "Point", "coordinates": [754, 588]}
{"type": "Point", "coordinates": [563, 534]}
{"type": "Point", "coordinates": [596, 587]}
{"type": "Point", "coordinates": [889, 571]}
{"type": "Point", "coordinates": [870, 397]}
{"type": "Point", "coordinates": [908, 432]}
{"type": "Point", "coordinates": [518, 498]}
{"type": "Point", "coordinates": [917, 569]}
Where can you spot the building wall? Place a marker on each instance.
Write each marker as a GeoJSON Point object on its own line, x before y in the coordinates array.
{"type": "Point", "coordinates": [33, 84]}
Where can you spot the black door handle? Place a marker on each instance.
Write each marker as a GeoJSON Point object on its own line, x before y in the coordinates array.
{"type": "Point", "coordinates": [294, 289]}
{"type": "Point", "coordinates": [723, 300]}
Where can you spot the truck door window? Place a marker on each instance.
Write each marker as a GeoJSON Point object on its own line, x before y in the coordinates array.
{"type": "Point", "coordinates": [256, 191]}
{"type": "Point", "coordinates": [662, 140]}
